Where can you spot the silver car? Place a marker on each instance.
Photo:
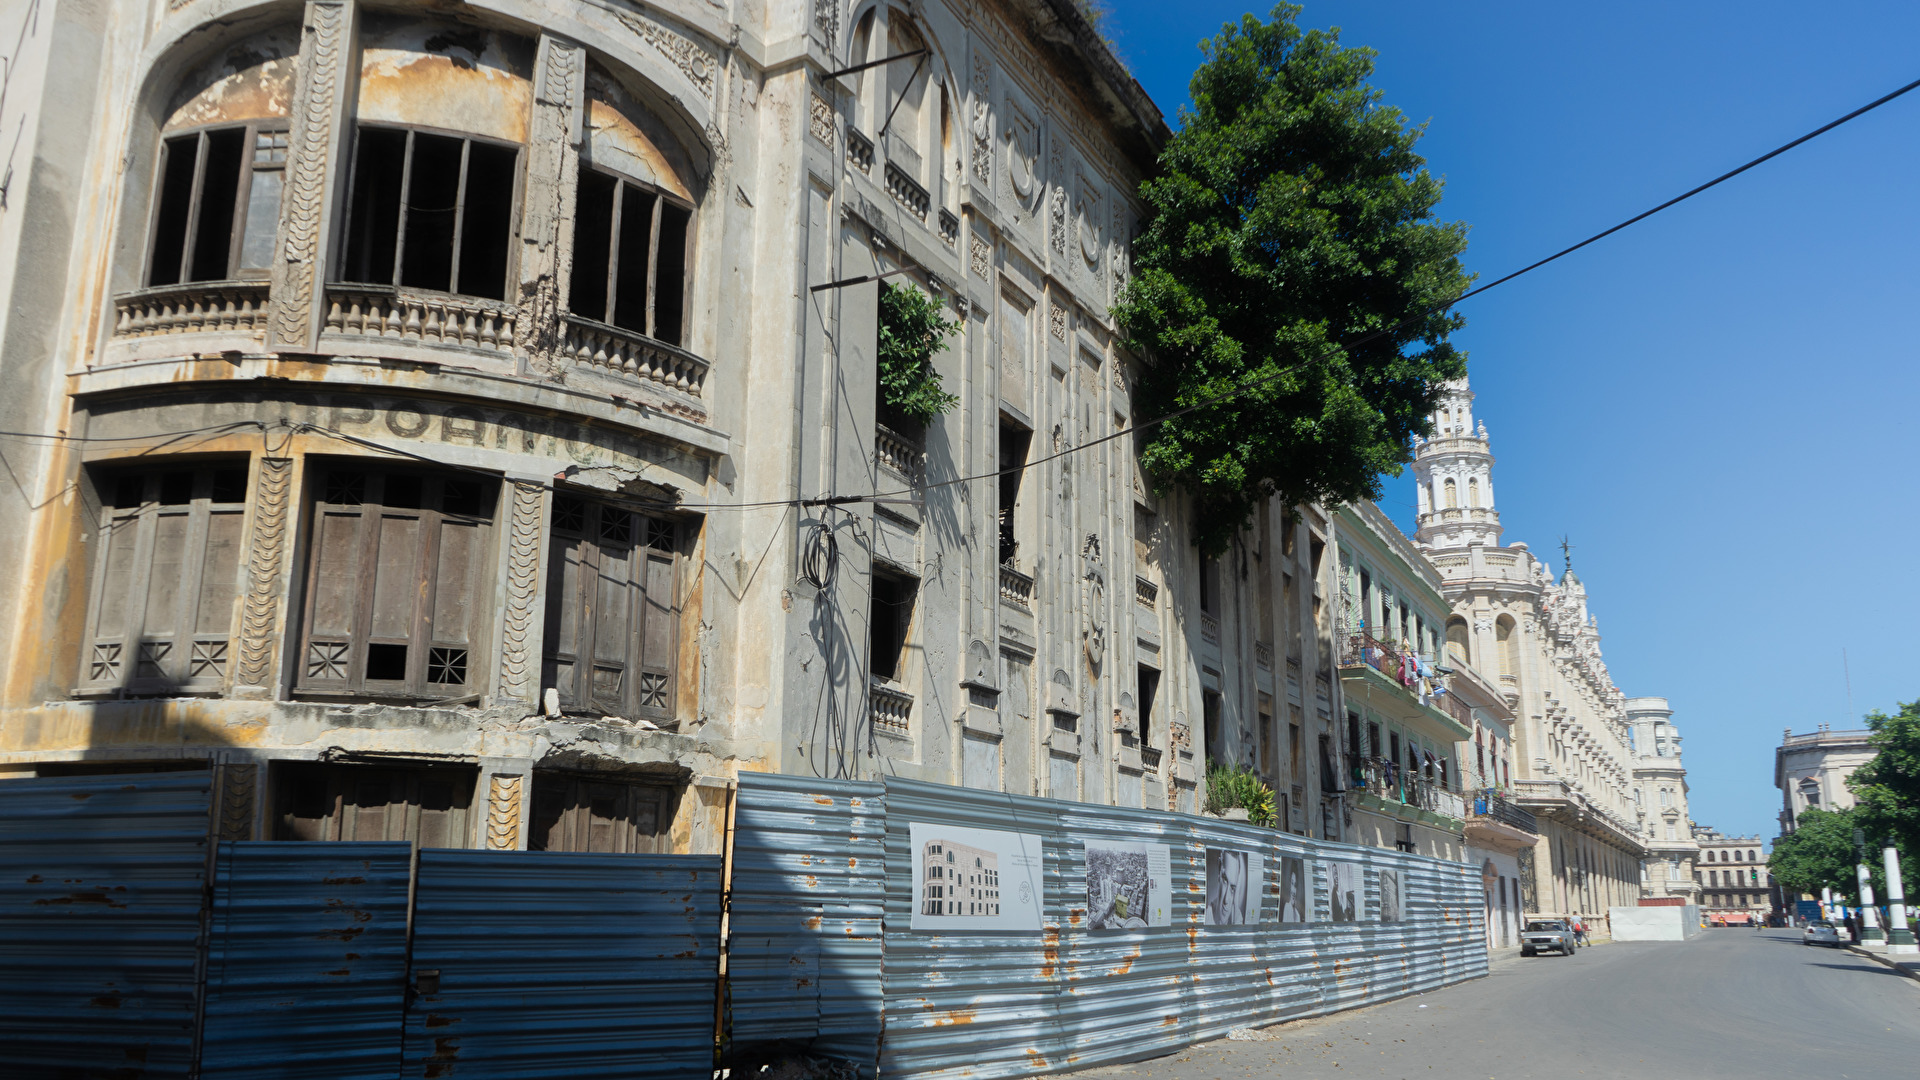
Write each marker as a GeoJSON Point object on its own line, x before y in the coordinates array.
{"type": "Point", "coordinates": [1821, 932]}
{"type": "Point", "coordinates": [1542, 935]}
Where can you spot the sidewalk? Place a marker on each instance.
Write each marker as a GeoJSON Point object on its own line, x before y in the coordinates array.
{"type": "Point", "coordinates": [1907, 964]}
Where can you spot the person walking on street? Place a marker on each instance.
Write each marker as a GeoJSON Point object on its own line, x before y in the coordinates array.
{"type": "Point", "coordinates": [1580, 932]}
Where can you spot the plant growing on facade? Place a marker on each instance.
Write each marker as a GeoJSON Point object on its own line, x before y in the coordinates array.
{"type": "Point", "coordinates": [1232, 787]}
{"type": "Point", "coordinates": [1290, 220]}
{"type": "Point", "coordinates": [912, 331]}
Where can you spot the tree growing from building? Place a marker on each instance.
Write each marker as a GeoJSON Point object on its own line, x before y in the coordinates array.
{"type": "Point", "coordinates": [1291, 246]}
{"type": "Point", "coordinates": [912, 331]}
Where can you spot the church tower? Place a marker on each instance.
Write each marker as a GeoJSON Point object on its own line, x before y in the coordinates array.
{"type": "Point", "coordinates": [1454, 473]}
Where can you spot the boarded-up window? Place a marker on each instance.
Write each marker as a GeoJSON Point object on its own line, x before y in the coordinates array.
{"type": "Point", "coordinates": [430, 805]}
{"type": "Point", "coordinates": [218, 204]}
{"type": "Point", "coordinates": [586, 813]}
{"type": "Point", "coordinates": [630, 256]}
{"type": "Point", "coordinates": [612, 621]}
{"type": "Point", "coordinates": [166, 573]}
{"type": "Point", "coordinates": [399, 561]}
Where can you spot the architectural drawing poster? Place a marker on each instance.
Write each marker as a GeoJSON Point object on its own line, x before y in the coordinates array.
{"type": "Point", "coordinates": [975, 879]}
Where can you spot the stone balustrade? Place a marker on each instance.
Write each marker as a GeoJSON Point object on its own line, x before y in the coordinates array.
{"type": "Point", "coordinates": [859, 150]}
{"type": "Point", "coordinates": [421, 318]}
{"type": "Point", "coordinates": [1145, 592]}
{"type": "Point", "coordinates": [1015, 587]}
{"type": "Point", "coordinates": [908, 193]}
{"type": "Point", "coordinates": [894, 451]}
{"type": "Point", "coordinates": [194, 308]}
{"type": "Point", "coordinates": [1263, 655]}
{"type": "Point", "coordinates": [892, 707]}
{"type": "Point", "coordinates": [625, 354]}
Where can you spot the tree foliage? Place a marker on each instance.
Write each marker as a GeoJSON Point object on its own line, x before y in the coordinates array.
{"type": "Point", "coordinates": [1818, 853]}
{"type": "Point", "coordinates": [1888, 786]}
{"type": "Point", "coordinates": [1290, 217]}
{"type": "Point", "coordinates": [912, 331]}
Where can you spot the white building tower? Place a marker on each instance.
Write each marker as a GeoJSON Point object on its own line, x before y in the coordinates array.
{"type": "Point", "coordinates": [1660, 801]}
{"type": "Point", "coordinates": [1454, 472]}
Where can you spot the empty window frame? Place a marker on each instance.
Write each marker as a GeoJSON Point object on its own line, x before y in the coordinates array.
{"type": "Point", "coordinates": [572, 812]}
{"type": "Point", "coordinates": [889, 623]}
{"type": "Point", "coordinates": [398, 564]}
{"type": "Point", "coordinates": [431, 211]}
{"type": "Point", "coordinates": [630, 256]}
{"type": "Point", "coordinates": [612, 624]}
{"type": "Point", "coordinates": [1014, 443]}
{"type": "Point", "coordinates": [430, 805]}
{"type": "Point", "coordinates": [1149, 690]}
{"type": "Point", "coordinates": [217, 204]}
{"type": "Point", "coordinates": [165, 578]}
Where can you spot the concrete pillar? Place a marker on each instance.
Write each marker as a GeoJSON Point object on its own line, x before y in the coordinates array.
{"type": "Point", "coordinates": [521, 595]}
{"type": "Point", "coordinates": [316, 172]}
{"type": "Point", "coordinates": [1899, 937]}
{"type": "Point", "coordinates": [547, 207]}
{"type": "Point", "coordinates": [262, 612]}
{"type": "Point", "coordinates": [1870, 931]}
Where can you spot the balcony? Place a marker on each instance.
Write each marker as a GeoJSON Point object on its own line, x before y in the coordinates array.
{"type": "Point", "coordinates": [633, 357]}
{"type": "Point", "coordinates": [373, 311]}
{"type": "Point", "coordinates": [1145, 593]}
{"type": "Point", "coordinates": [1149, 759]}
{"type": "Point", "coordinates": [901, 455]}
{"type": "Point", "coordinates": [201, 307]}
{"type": "Point", "coordinates": [949, 228]}
{"type": "Point", "coordinates": [859, 150]}
{"type": "Point", "coordinates": [1209, 628]}
{"type": "Point", "coordinates": [1403, 792]}
{"type": "Point", "coordinates": [908, 193]}
{"type": "Point", "coordinates": [1263, 655]}
{"type": "Point", "coordinates": [1016, 588]}
{"type": "Point", "coordinates": [1492, 804]}
{"type": "Point", "coordinates": [892, 708]}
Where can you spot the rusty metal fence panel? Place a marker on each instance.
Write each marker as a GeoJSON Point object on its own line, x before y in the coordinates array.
{"type": "Point", "coordinates": [804, 909]}
{"type": "Point", "coordinates": [543, 964]}
{"type": "Point", "coordinates": [102, 881]}
{"type": "Point", "coordinates": [306, 961]}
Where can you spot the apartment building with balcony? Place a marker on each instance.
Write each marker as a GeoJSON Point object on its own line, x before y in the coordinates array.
{"type": "Point", "coordinates": [1732, 876]}
{"type": "Point", "coordinates": [1572, 762]}
{"type": "Point", "coordinates": [459, 423]}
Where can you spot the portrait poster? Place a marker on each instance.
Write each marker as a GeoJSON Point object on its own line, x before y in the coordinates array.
{"type": "Point", "coordinates": [1129, 885]}
{"type": "Point", "coordinates": [1393, 902]}
{"type": "Point", "coordinates": [1296, 895]}
{"type": "Point", "coordinates": [1233, 888]}
{"type": "Point", "coordinates": [1345, 894]}
{"type": "Point", "coordinates": [975, 879]}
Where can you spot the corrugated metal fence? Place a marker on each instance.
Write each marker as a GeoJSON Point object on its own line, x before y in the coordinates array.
{"type": "Point", "coordinates": [992, 1003]}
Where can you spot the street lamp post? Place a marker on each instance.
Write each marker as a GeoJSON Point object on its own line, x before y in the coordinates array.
{"type": "Point", "coordinates": [1899, 937]}
{"type": "Point", "coordinates": [1869, 920]}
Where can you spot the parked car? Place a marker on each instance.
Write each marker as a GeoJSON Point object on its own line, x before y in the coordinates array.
{"type": "Point", "coordinates": [1542, 935]}
{"type": "Point", "coordinates": [1820, 932]}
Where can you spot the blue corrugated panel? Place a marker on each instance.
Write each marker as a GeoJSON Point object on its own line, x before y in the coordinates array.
{"type": "Point", "coordinates": [804, 945]}
{"type": "Point", "coordinates": [306, 961]}
{"type": "Point", "coordinates": [561, 964]}
{"type": "Point", "coordinates": [101, 887]}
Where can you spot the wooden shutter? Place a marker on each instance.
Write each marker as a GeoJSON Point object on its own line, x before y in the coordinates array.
{"type": "Point", "coordinates": [584, 813]}
{"type": "Point", "coordinates": [612, 623]}
{"type": "Point", "coordinates": [430, 806]}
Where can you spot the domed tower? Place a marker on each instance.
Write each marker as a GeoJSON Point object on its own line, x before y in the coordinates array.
{"type": "Point", "coordinates": [1454, 472]}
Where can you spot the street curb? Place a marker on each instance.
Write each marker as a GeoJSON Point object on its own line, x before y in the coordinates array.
{"type": "Point", "coordinates": [1909, 968]}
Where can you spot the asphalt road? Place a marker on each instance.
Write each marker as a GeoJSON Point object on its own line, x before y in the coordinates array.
{"type": "Point", "coordinates": [1730, 1003]}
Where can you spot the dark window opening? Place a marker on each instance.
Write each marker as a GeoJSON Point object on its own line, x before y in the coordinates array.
{"type": "Point", "coordinates": [431, 212]}
{"type": "Point", "coordinates": [612, 620]}
{"type": "Point", "coordinates": [118, 768]}
{"type": "Point", "coordinates": [429, 805]}
{"type": "Point", "coordinates": [1014, 441]}
{"type": "Point", "coordinates": [611, 816]}
{"type": "Point", "coordinates": [1149, 690]}
{"type": "Point", "coordinates": [1210, 727]}
{"type": "Point", "coordinates": [1373, 740]}
{"type": "Point", "coordinates": [217, 206]}
{"type": "Point", "coordinates": [1209, 586]}
{"type": "Point", "coordinates": [630, 257]}
{"type": "Point", "coordinates": [889, 622]}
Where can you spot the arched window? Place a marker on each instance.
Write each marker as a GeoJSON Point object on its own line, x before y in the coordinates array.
{"type": "Point", "coordinates": [1473, 491]}
{"type": "Point", "coordinates": [1453, 495]}
{"type": "Point", "coordinates": [1458, 646]}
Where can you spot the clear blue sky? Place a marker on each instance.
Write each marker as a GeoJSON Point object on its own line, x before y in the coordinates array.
{"type": "Point", "coordinates": [1718, 405]}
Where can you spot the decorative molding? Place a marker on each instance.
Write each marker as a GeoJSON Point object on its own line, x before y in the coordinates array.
{"type": "Point", "coordinates": [826, 23]}
{"type": "Point", "coordinates": [693, 60]}
{"type": "Point", "coordinates": [1057, 321]}
{"type": "Point", "coordinates": [238, 782]}
{"type": "Point", "coordinates": [981, 124]}
{"type": "Point", "coordinates": [820, 119]}
{"type": "Point", "coordinates": [553, 167]}
{"type": "Point", "coordinates": [1057, 221]}
{"type": "Point", "coordinates": [982, 253]}
{"type": "Point", "coordinates": [303, 208]}
{"type": "Point", "coordinates": [517, 667]}
{"type": "Point", "coordinates": [503, 812]}
{"type": "Point", "coordinates": [266, 551]}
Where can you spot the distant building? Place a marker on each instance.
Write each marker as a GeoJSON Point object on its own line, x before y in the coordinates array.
{"type": "Point", "coordinates": [1732, 875]}
{"type": "Point", "coordinates": [959, 880]}
{"type": "Point", "coordinates": [1811, 770]}
{"type": "Point", "coordinates": [1660, 801]}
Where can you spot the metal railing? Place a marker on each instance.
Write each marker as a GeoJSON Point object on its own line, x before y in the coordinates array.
{"type": "Point", "coordinates": [1015, 587]}
{"type": "Point", "coordinates": [1491, 803]}
{"type": "Point", "coordinates": [1384, 780]}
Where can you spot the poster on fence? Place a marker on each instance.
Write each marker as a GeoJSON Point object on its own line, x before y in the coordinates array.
{"type": "Point", "coordinates": [1296, 898]}
{"type": "Point", "coordinates": [1393, 901]}
{"type": "Point", "coordinates": [1129, 885]}
{"type": "Point", "coordinates": [1344, 891]}
{"type": "Point", "coordinates": [975, 879]}
{"type": "Point", "coordinates": [1233, 888]}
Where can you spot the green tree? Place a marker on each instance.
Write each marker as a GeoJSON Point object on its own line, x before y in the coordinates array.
{"type": "Point", "coordinates": [912, 330]}
{"type": "Point", "coordinates": [1820, 852]}
{"type": "Point", "coordinates": [1888, 786]}
{"type": "Point", "coordinates": [1289, 219]}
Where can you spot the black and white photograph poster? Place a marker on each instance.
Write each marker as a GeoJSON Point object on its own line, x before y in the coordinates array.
{"type": "Point", "coordinates": [975, 879]}
{"type": "Point", "coordinates": [1345, 892]}
{"type": "Point", "coordinates": [1296, 898]}
{"type": "Point", "coordinates": [1233, 888]}
{"type": "Point", "coordinates": [1393, 902]}
{"type": "Point", "coordinates": [1129, 885]}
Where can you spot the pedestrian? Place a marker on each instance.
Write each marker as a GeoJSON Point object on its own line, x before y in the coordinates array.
{"type": "Point", "coordinates": [1580, 932]}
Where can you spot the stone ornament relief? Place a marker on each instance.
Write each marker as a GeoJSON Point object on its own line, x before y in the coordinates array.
{"type": "Point", "coordinates": [1094, 574]}
{"type": "Point", "coordinates": [517, 669]}
{"type": "Point", "coordinates": [1023, 153]}
{"type": "Point", "coordinates": [982, 253]}
{"type": "Point", "coordinates": [266, 550]}
{"type": "Point", "coordinates": [304, 203]}
{"type": "Point", "coordinates": [981, 123]}
{"type": "Point", "coordinates": [693, 60]}
{"type": "Point", "coordinates": [1057, 322]}
{"type": "Point", "coordinates": [238, 781]}
{"type": "Point", "coordinates": [820, 119]}
{"type": "Point", "coordinates": [503, 812]}
{"type": "Point", "coordinates": [826, 22]}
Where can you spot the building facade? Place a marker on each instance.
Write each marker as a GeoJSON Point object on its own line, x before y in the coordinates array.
{"type": "Point", "coordinates": [1660, 802]}
{"type": "Point", "coordinates": [1732, 876]}
{"type": "Point", "coordinates": [1811, 770]}
{"type": "Point", "coordinates": [1573, 764]}
{"type": "Point", "coordinates": [460, 424]}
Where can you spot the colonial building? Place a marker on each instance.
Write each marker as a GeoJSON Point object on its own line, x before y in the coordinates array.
{"type": "Point", "coordinates": [1573, 764]}
{"type": "Point", "coordinates": [1811, 770]}
{"type": "Point", "coordinates": [459, 423]}
{"type": "Point", "coordinates": [1732, 876]}
{"type": "Point", "coordinates": [1660, 802]}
